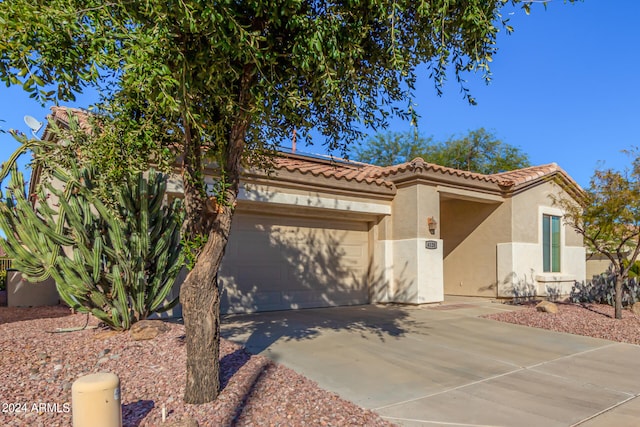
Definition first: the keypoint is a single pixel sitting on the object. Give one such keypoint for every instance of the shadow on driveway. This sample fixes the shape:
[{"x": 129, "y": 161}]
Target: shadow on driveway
[{"x": 257, "y": 332}]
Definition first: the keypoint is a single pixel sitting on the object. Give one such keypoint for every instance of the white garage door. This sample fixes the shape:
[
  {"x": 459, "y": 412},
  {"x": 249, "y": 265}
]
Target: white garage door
[{"x": 280, "y": 263}]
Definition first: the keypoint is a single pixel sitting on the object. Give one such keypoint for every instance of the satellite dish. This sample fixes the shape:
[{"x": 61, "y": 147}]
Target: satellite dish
[{"x": 33, "y": 124}]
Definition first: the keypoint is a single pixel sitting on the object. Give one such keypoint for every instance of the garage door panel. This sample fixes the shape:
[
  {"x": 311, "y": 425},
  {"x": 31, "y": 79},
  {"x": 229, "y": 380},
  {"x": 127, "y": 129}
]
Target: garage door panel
[
  {"x": 276, "y": 263},
  {"x": 264, "y": 298},
  {"x": 243, "y": 302},
  {"x": 272, "y": 223},
  {"x": 262, "y": 277},
  {"x": 303, "y": 298}
]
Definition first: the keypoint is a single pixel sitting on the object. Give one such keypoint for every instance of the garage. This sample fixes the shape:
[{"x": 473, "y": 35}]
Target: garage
[{"x": 284, "y": 262}]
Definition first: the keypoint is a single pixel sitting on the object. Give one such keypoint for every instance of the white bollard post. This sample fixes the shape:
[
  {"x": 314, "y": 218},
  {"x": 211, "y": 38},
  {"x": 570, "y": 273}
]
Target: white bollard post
[{"x": 95, "y": 401}]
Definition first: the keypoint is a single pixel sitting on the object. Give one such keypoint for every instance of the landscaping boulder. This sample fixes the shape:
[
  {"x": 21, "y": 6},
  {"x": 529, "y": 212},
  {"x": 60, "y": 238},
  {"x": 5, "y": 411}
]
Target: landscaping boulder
[
  {"x": 635, "y": 308},
  {"x": 147, "y": 329},
  {"x": 547, "y": 307}
]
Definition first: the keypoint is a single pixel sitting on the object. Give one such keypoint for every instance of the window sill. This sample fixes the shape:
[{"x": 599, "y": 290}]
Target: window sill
[{"x": 555, "y": 277}]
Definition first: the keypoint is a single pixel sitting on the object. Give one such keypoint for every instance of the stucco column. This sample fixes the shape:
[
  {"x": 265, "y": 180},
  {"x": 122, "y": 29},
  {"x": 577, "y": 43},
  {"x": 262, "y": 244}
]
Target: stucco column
[
  {"x": 417, "y": 252},
  {"x": 381, "y": 271},
  {"x": 418, "y": 273}
]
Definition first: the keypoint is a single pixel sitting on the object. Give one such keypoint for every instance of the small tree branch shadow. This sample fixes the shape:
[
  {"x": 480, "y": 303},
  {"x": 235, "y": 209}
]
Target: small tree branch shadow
[
  {"x": 257, "y": 376},
  {"x": 135, "y": 412},
  {"x": 232, "y": 363},
  {"x": 589, "y": 307}
]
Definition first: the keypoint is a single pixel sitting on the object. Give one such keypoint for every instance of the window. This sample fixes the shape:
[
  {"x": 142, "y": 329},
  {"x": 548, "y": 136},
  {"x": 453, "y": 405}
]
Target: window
[{"x": 551, "y": 243}]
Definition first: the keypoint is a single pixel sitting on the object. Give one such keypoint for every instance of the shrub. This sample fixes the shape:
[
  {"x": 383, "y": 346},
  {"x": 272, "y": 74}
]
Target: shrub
[
  {"x": 601, "y": 290},
  {"x": 634, "y": 271}
]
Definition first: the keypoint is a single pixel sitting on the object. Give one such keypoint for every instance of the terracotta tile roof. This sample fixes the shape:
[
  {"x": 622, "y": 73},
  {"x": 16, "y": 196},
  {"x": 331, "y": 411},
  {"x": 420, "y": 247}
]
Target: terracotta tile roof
[
  {"x": 419, "y": 165},
  {"x": 533, "y": 173},
  {"x": 61, "y": 115},
  {"x": 362, "y": 172},
  {"x": 338, "y": 169}
]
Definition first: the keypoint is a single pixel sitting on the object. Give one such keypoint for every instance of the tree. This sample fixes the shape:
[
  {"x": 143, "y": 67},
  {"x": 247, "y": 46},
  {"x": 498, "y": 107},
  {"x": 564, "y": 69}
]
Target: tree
[
  {"x": 608, "y": 218},
  {"x": 479, "y": 151},
  {"x": 229, "y": 81},
  {"x": 386, "y": 149}
]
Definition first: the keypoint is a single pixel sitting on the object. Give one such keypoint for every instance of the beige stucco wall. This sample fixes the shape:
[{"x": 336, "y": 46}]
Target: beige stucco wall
[
  {"x": 527, "y": 217},
  {"x": 312, "y": 198},
  {"x": 428, "y": 207},
  {"x": 520, "y": 267},
  {"x": 411, "y": 207},
  {"x": 405, "y": 211},
  {"x": 596, "y": 266},
  {"x": 415, "y": 271},
  {"x": 22, "y": 293},
  {"x": 470, "y": 232},
  {"x": 381, "y": 265}
]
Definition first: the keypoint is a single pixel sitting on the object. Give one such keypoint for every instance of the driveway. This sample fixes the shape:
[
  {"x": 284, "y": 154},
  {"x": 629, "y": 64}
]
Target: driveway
[{"x": 445, "y": 366}]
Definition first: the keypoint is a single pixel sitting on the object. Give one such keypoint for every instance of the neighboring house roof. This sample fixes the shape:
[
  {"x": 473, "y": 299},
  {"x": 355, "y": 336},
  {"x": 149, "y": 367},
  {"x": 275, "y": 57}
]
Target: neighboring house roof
[
  {"x": 386, "y": 177},
  {"x": 60, "y": 115}
]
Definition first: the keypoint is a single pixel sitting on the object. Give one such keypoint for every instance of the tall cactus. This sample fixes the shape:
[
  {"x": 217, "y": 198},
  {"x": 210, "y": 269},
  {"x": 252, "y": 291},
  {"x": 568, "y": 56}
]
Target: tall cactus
[{"x": 117, "y": 262}]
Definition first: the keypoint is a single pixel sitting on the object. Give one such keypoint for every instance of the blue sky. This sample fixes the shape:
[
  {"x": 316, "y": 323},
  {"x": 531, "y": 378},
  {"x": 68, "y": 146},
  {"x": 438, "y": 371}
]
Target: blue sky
[{"x": 564, "y": 90}]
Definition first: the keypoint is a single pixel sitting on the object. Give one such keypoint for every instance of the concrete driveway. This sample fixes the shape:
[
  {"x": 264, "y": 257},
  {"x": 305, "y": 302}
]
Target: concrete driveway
[{"x": 445, "y": 366}]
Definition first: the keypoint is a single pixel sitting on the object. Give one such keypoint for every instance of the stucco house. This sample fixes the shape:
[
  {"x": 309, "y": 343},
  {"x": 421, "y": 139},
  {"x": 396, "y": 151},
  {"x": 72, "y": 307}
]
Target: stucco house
[
  {"x": 318, "y": 231},
  {"x": 322, "y": 232}
]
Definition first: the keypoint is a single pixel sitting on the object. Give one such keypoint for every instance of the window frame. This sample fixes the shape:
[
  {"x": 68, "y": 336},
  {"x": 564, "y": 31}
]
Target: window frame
[{"x": 551, "y": 240}]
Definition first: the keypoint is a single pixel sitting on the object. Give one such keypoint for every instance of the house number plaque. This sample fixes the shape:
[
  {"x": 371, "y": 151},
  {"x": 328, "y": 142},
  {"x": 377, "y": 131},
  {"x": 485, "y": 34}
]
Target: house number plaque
[{"x": 431, "y": 244}]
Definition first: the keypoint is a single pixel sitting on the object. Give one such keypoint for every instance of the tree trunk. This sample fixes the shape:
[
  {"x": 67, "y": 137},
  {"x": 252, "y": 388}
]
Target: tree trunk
[
  {"x": 199, "y": 294},
  {"x": 618, "y": 296},
  {"x": 200, "y": 297}
]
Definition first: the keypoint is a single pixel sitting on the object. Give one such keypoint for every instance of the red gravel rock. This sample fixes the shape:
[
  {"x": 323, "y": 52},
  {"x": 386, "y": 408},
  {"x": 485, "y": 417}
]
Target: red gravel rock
[
  {"x": 591, "y": 320},
  {"x": 39, "y": 366}
]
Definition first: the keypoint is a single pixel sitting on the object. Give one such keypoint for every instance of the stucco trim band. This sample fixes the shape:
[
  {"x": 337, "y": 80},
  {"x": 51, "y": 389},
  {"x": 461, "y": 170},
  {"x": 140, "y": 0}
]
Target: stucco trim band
[{"x": 299, "y": 200}]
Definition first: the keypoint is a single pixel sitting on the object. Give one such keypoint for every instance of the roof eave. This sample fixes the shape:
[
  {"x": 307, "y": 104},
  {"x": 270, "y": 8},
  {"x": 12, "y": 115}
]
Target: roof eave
[
  {"x": 448, "y": 178},
  {"x": 558, "y": 177},
  {"x": 323, "y": 183}
]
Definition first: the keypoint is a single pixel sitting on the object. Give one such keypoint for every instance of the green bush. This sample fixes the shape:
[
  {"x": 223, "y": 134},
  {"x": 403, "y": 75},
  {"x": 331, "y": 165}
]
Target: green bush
[
  {"x": 634, "y": 271},
  {"x": 3, "y": 280}
]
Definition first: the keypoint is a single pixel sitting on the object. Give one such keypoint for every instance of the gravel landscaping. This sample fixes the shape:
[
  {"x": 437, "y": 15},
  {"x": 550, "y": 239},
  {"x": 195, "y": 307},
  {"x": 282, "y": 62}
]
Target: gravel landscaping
[
  {"x": 591, "y": 320},
  {"x": 39, "y": 367}
]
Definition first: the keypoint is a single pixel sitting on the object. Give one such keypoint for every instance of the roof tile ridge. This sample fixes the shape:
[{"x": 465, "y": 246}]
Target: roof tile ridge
[
  {"x": 552, "y": 165},
  {"x": 347, "y": 171},
  {"x": 532, "y": 173},
  {"x": 465, "y": 173},
  {"x": 419, "y": 163}
]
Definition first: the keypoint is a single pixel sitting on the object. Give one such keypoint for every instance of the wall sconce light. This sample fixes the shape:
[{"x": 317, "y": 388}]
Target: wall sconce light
[{"x": 432, "y": 224}]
